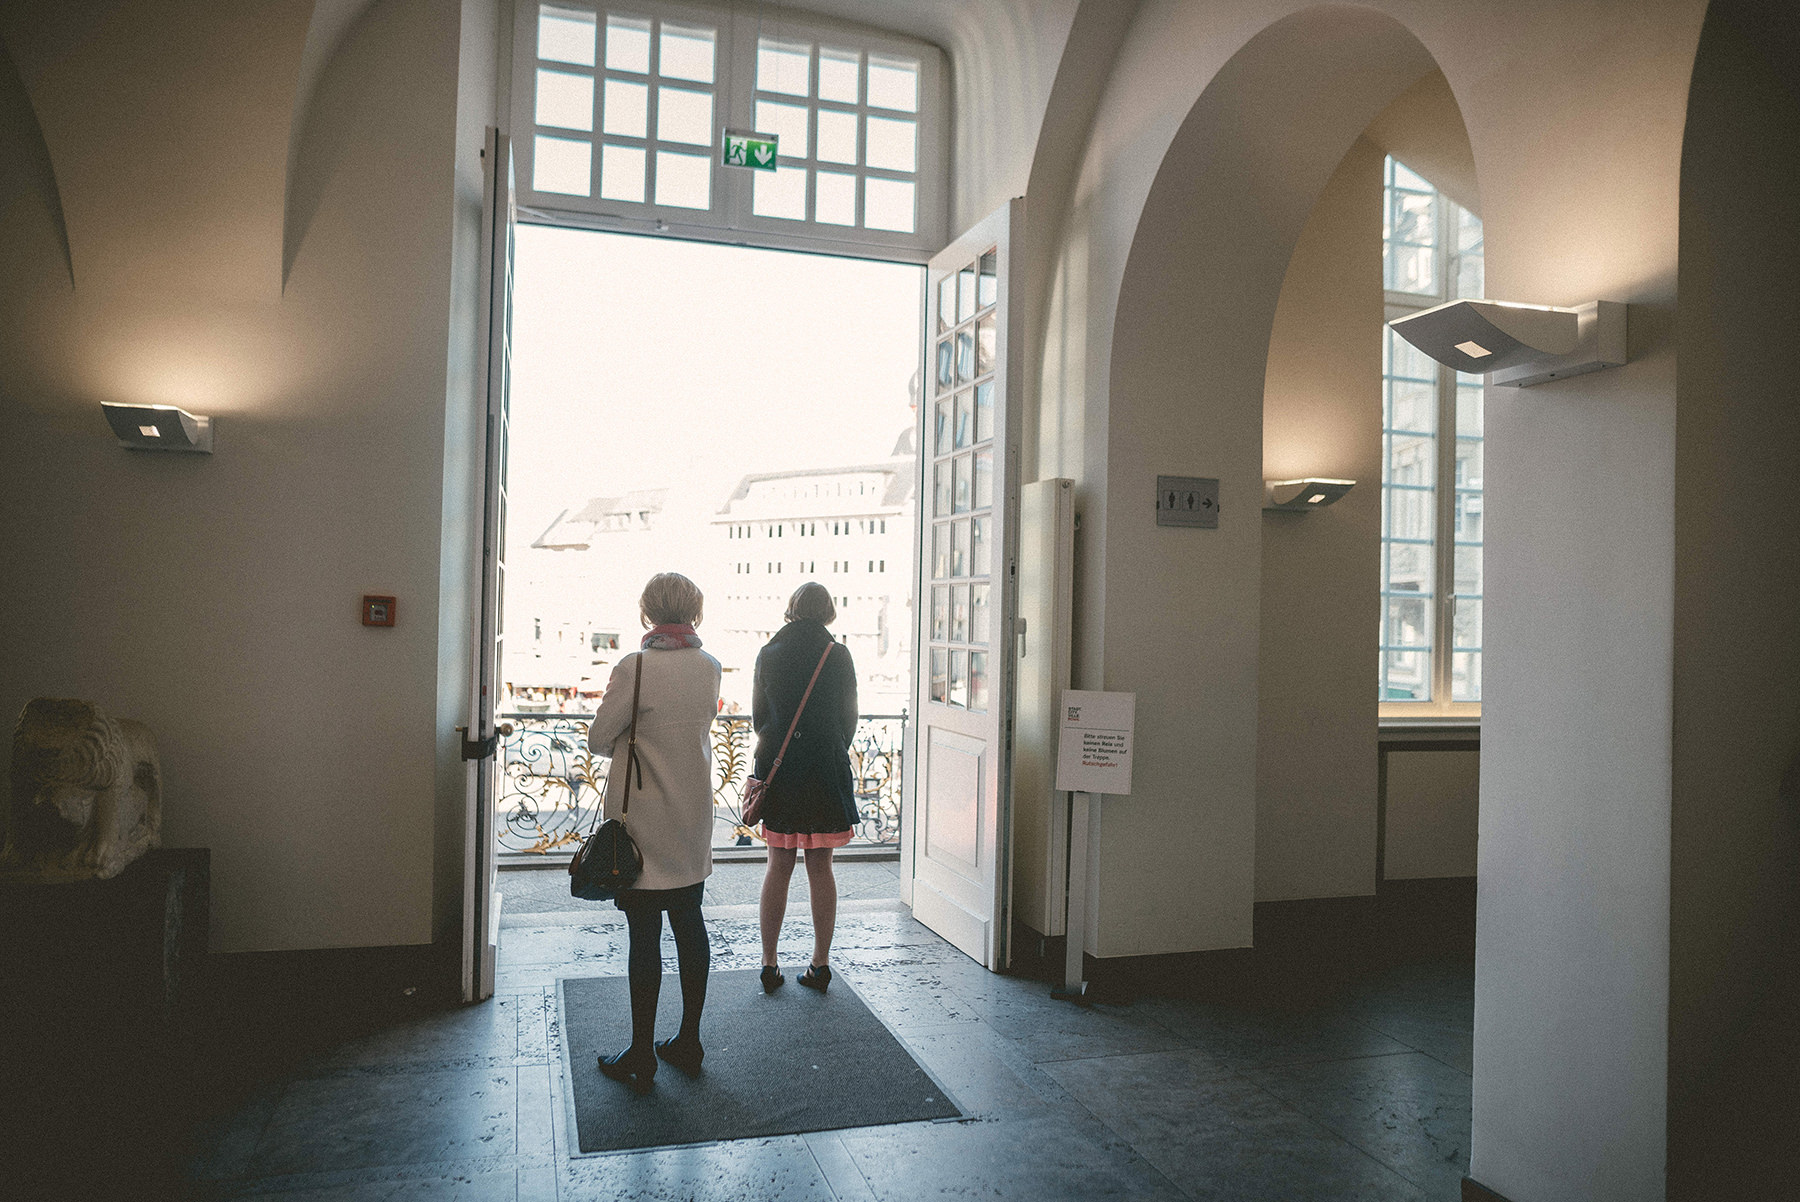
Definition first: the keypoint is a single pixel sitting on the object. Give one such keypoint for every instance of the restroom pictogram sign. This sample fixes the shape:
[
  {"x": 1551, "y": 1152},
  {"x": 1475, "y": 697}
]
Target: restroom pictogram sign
[{"x": 1187, "y": 501}]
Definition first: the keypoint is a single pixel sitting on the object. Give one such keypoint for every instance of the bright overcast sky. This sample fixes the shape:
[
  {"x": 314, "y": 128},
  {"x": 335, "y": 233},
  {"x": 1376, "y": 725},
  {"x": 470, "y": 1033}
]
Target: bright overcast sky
[{"x": 649, "y": 363}]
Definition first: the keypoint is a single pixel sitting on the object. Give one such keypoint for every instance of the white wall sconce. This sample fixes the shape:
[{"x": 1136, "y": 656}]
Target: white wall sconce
[
  {"x": 1519, "y": 345},
  {"x": 1297, "y": 496},
  {"x": 159, "y": 428}
]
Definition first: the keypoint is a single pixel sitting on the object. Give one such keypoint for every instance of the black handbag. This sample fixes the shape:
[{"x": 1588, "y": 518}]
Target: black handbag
[{"x": 609, "y": 861}]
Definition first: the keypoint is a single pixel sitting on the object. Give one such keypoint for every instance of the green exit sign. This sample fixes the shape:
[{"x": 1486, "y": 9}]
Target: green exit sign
[{"x": 752, "y": 150}]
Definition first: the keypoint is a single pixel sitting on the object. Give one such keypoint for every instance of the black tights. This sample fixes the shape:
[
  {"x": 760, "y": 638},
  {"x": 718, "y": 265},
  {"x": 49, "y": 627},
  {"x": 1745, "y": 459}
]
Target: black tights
[{"x": 692, "y": 952}]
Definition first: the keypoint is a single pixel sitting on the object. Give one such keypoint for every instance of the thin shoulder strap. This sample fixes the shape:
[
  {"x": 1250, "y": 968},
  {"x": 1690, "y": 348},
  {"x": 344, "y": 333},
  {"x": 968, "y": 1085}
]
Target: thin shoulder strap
[
  {"x": 631, "y": 760},
  {"x": 801, "y": 709},
  {"x": 637, "y": 687}
]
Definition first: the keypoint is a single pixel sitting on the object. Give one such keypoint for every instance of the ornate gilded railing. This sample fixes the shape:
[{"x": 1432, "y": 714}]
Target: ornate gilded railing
[{"x": 550, "y": 784}]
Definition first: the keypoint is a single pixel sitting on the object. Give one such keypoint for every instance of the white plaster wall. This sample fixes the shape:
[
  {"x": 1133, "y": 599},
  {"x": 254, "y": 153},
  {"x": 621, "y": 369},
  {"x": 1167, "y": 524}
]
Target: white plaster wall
[
  {"x": 1735, "y": 889},
  {"x": 216, "y": 598},
  {"x": 1432, "y": 807},
  {"x": 1574, "y": 115},
  {"x": 479, "y": 88},
  {"x": 1316, "y": 721}
]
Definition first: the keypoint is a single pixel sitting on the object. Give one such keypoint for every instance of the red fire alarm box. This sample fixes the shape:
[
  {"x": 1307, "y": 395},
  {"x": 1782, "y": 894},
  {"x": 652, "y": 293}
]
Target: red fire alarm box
[{"x": 378, "y": 611}]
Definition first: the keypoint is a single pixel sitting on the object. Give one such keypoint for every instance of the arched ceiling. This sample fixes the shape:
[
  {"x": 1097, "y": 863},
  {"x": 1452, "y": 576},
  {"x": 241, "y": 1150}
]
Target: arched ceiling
[
  {"x": 1423, "y": 128},
  {"x": 175, "y": 129},
  {"x": 168, "y": 126},
  {"x": 28, "y": 194}
]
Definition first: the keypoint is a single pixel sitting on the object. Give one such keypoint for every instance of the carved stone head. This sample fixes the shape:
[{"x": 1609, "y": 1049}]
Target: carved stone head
[{"x": 86, "y": 795}]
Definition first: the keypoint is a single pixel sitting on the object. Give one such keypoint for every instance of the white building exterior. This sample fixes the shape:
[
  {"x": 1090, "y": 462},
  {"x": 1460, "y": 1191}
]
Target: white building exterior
[
  {"x": 850, "y": 529},
  {"x": 571, "y": 595}
]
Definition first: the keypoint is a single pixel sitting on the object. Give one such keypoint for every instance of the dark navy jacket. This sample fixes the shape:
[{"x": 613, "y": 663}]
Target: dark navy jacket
[{"x": 814, "y": 792}]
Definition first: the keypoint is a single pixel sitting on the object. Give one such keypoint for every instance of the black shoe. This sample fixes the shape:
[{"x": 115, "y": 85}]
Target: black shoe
[
  {"x": 817, "y": 977},
  {"x": 684, "y": 1054},
  {"x": 637, "y": 1071},
  {"x": 771, "y": 978}
]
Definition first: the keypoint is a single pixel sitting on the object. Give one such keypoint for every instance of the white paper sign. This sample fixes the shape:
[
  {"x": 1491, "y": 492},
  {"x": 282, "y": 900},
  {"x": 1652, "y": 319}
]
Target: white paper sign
[{"x": 1093, "y": 754}]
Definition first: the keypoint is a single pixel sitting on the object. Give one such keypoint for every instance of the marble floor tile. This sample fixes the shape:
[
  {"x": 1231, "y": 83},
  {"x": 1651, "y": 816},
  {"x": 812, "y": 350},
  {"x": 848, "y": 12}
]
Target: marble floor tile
[
  {"x": 1046, "y": 1158},
  {"x": 984, "y": 1073},
  {"x": 1409, "y": 1111},
  {"x": 227, "y": 1141},
  {"x": 537, "y": 1183},
  {"x": 906, "y": 995},
  {"x": 386, "y": 1118},
  {"x": 496, "y": 1184},
  {"x": 780, "y": 1168},
  {"x": 845, "y": 1180},
  {"x": 535, "y": 1016},
  {"x": 1352, "y": 1098},
  {"x": 1045, "y": 1029},
  {"x": 1453, "y": 1045},
  {"x": 462, "y": 1035},
  {"x": 537, "y": 1103},
  {"x": 1245, "y": 1037},
  {"x": 1219, "y": 1136}
]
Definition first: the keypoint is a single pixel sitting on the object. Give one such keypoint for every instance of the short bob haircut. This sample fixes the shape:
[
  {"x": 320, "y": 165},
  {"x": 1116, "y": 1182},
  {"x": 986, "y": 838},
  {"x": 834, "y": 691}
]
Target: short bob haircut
[
  {"x": 812, "y": 600},
  {"x": 671, "y": 599}
]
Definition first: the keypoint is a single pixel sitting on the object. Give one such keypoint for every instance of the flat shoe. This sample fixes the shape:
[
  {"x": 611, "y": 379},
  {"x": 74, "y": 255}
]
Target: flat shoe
[
  {"x": 817, "y": 977},
  {"x": 685, "y": 1055},
  {"x": 771, "y": 978},
  {"x": 637, "y": 1072}
]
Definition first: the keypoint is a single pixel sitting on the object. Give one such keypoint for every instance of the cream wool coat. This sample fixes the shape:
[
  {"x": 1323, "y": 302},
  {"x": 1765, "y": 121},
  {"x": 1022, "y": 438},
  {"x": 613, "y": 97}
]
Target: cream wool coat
[{"x": 671, "y": 814}]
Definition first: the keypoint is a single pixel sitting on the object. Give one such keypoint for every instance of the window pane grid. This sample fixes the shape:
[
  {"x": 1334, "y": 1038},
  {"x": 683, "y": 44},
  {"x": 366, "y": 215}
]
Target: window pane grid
[
  {"x": 859, "y": 167},
  {"x": 651, "y": 94},
  {"x": 961, "y": 434},
  {"x": 1431, "y": 576},
  {"x": 662, "y": 78}
]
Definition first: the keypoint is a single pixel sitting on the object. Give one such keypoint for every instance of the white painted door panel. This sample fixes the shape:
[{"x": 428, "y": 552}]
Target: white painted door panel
[{"x": 956, "y": 859}]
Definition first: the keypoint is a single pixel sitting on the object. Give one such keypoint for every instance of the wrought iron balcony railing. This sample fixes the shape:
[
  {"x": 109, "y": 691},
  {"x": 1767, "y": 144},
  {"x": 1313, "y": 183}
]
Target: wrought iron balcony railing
[{"x": 550, "y": 784}]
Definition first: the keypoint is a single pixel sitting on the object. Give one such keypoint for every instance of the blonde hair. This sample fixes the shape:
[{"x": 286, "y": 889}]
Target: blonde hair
[
  {"x": 671, "y": 599},
  {"x": 812, "y": 600}
]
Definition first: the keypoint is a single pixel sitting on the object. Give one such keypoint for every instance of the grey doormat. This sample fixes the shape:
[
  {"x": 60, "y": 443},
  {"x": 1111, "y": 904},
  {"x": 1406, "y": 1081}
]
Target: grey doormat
[{"x": 776, "y": 1064}]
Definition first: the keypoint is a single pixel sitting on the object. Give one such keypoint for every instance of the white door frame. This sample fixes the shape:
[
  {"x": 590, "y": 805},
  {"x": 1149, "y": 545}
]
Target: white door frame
[
  {"x": 481, "y": 901},
  {"x": 956, "y": 853}
]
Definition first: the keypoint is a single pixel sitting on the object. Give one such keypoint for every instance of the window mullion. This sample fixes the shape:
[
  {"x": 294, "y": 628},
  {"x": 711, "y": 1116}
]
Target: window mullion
[{"x": 1444, "y": 561}]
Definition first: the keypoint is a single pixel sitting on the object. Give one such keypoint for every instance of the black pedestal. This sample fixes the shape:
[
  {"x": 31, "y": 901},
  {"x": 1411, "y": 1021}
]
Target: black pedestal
[
  {"x": 100, "y": 1005},
  {"x": 126, "y": 952}
]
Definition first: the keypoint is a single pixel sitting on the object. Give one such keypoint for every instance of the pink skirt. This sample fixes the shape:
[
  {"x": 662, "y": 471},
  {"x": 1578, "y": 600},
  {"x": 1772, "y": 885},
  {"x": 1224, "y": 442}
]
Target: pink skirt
[{"x": 825, "y": 839}]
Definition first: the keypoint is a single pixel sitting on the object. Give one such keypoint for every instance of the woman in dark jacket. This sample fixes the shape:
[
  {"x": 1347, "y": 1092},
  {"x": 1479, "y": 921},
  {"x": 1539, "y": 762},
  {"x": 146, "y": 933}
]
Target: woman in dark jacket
[{"x": 811, "y": 802}]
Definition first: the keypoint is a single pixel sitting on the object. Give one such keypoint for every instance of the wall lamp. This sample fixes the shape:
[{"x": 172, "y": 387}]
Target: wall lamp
[
  {"x": 1519, "y": 345},
  {"x": 159, "y": 428},
  {"x": 1297, "y": 496}
]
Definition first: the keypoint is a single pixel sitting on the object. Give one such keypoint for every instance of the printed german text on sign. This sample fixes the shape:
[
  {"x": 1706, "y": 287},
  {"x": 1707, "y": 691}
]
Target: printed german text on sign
[{"x": 1093, "y": 752}]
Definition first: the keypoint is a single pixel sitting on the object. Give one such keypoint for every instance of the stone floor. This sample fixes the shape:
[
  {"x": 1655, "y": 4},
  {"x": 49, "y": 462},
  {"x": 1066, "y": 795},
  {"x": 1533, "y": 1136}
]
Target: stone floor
[
  {"x": 733, "y": 883},
  {"x": 1359, "y": 1092}
]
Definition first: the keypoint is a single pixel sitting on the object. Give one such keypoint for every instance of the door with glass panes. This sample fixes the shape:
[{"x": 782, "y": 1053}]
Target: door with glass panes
[
  {"x": 480, "y": 743},
  {"x": 956, "y": 858}
]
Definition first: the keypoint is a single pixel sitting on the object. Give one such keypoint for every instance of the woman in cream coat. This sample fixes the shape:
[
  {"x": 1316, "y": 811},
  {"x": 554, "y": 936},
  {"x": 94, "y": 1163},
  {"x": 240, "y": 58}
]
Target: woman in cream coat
[{"x": 670, "y": 816}]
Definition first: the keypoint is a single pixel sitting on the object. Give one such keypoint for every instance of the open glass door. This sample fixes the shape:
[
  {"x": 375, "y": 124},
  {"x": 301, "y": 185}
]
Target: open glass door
[
  {"x": 481, "y": 903},
  {"x": 956, "y": 859}
]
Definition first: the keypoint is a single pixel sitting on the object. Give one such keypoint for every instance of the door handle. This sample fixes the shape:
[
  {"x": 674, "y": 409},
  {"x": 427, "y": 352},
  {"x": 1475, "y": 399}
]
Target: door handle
[{"x": 481, "y": 749}]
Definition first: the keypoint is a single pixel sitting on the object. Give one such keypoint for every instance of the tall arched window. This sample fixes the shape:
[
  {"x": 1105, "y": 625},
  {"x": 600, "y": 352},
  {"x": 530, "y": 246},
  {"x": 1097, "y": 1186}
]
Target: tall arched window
[{"x": 1431, "y": 479}]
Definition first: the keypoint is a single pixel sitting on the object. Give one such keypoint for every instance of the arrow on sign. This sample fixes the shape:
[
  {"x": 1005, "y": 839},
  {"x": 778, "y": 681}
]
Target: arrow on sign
[{"x": 764, "y": 153}]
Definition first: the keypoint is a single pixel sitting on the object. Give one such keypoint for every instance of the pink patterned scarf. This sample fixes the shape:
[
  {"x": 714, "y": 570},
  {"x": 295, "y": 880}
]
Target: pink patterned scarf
[{"x": 671, "y": 636}]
